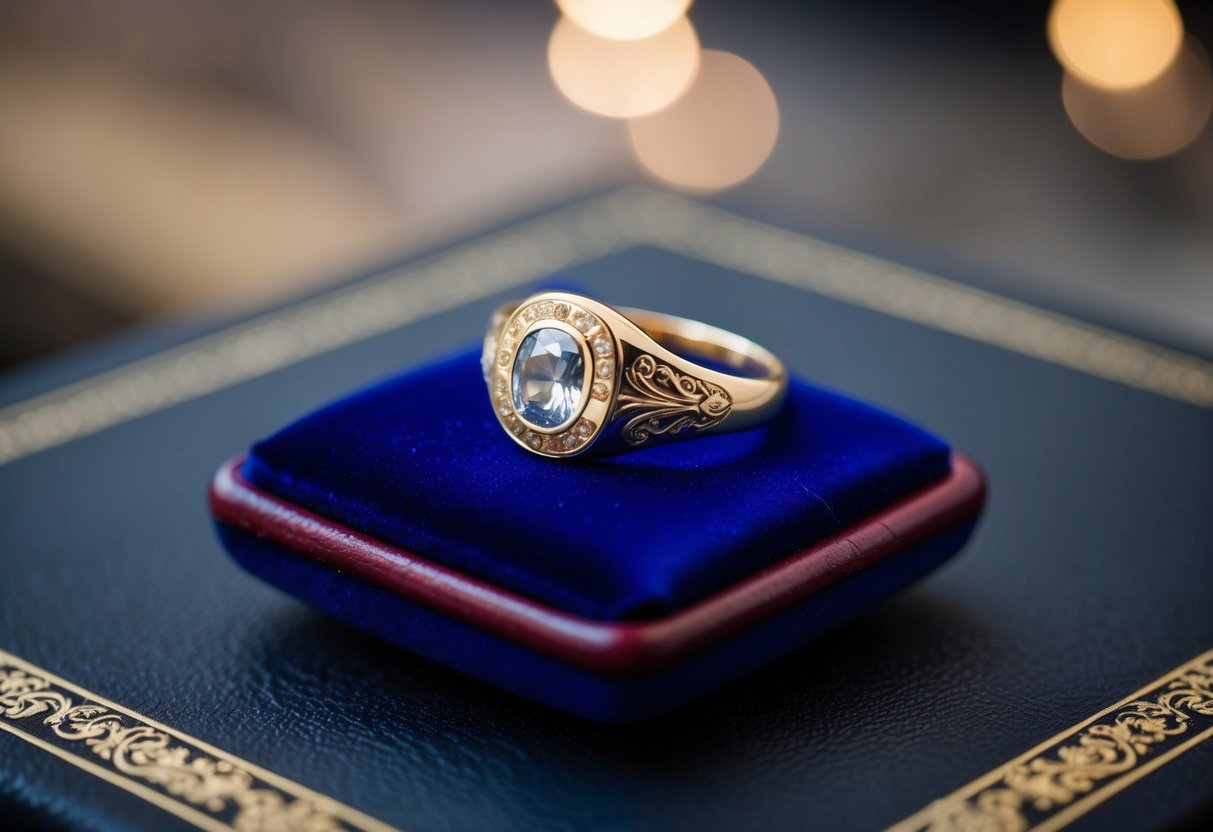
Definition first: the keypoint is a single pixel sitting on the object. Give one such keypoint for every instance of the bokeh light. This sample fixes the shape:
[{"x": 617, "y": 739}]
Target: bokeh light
[
  {"x": 623, "y": 78},
  {"x": 717, "y": 134},
  {"x": 624, "y": 19},
  {"x": 1115, "y": 44},
  {"x": 1151, "y": 121}
]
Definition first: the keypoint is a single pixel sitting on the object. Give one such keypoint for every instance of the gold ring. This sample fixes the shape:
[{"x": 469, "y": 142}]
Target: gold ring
[{"x": 567, "y": 373}]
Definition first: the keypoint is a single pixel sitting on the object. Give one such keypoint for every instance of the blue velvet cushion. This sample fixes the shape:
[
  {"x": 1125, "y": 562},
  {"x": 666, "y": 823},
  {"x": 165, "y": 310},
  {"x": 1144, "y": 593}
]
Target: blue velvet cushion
[{"x": 419, "y": 461}]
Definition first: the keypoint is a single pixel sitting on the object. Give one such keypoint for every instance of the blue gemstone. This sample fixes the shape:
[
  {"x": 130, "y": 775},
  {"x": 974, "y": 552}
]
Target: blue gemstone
[{"x": 547, "y": 378}]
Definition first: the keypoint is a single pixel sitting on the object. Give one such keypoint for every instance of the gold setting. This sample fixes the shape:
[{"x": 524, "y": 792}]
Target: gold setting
[
  {"x": 599, "y": 355},
  {"x": 633, "y": 390}
]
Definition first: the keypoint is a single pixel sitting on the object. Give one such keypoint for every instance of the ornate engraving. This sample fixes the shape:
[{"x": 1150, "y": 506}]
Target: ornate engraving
[
  {"x": 205, "y": 788},
  {"x": 1046, "y": 789},
  {"x": 662, "y": 400}
]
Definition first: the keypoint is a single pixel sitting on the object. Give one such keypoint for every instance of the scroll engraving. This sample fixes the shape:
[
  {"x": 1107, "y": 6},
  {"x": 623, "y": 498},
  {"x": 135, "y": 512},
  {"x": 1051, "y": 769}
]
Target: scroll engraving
[
  {"x": 185, "y": 777},
  {"x": 1044, "y": 790},
  {"x": 662, "y": 401}
]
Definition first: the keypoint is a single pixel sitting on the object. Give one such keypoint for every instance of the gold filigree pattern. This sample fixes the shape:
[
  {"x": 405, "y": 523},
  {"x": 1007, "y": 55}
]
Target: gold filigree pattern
[
  {"x": 1060, "y": 780},
  {"x": 663, "y": 401},
  {"x": 209, "y": 788}
]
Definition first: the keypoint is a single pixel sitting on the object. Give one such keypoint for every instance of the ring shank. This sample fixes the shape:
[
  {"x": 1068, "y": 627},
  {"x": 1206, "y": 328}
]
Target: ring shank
[{"x": 693, "y": 340}]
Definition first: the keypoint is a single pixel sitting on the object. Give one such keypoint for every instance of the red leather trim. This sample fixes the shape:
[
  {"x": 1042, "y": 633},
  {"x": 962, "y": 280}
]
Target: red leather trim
[{"x": 602, "y": 646}]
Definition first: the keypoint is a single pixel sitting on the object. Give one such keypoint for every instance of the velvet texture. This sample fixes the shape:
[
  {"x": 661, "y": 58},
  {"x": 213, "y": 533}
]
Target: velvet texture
[{"x": 419, "y": 461}]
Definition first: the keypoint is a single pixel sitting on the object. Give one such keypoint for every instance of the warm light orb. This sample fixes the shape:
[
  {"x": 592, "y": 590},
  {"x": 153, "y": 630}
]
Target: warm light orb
[
  {"x": 622, "y": 78},
  {"x": 624, "y": 19},
  {"x": 1149, "y": 122},
  {"x": 718, "y": 134},
  {"x": 1115, "y": 44}
]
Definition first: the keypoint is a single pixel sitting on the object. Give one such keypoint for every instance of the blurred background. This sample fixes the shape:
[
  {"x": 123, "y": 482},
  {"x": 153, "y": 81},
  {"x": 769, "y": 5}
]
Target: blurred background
[{"x": 203, "y": 158}]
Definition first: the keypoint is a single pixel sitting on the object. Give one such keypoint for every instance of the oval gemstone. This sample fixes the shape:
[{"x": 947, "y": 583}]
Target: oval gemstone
[{"x": 547, "y": 379}]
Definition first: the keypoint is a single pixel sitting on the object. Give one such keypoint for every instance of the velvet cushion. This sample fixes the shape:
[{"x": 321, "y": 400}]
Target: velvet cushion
[{"x": 419, "y": 461}]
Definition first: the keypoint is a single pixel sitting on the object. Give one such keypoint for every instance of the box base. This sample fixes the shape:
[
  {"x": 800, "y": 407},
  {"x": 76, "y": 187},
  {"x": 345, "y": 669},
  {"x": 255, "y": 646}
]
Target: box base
[{"x": 602, "y": 670}]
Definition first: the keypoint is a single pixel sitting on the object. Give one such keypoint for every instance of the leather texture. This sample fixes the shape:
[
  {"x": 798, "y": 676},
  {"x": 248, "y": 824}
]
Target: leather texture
[{"x": 1088, "y": 577}]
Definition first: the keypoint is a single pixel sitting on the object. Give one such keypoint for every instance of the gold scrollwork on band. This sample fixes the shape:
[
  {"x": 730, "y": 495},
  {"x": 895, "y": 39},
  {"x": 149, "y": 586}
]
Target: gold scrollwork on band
[
  {"x": 204, "y": 786},
  {"x": 1060, "y": 780},
  {"x": 663, "y": 401}
]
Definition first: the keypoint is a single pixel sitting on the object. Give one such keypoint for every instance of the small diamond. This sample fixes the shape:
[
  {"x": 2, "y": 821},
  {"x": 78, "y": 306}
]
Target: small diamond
[
  {"x": 599, "y": 391},
  {"x": 602, "y": 347},
  {"x": 503, "y": 408},
  {"x": 569, "y": 441},
  {"x": 583, "y": 321},
  {"x": 547, "y": 309},
  {"x": 503, "y": 358},
  {"x": 604, "y": 369},
  {"x": 528, "y": 314},
  {"x": 499, "y": 387},
  {"x": 584, "y": 429},
  {"x": 561, "y": 311},
  {"x": 534, "y": 440}
]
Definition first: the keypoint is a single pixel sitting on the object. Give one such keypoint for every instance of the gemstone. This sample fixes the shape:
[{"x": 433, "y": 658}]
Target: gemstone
[
  {"x": 599, "y": 390},
  {"x": 547, "y": 378},
  {"x": 604, "y": 369},
  {"x": 602, "y": 347}
]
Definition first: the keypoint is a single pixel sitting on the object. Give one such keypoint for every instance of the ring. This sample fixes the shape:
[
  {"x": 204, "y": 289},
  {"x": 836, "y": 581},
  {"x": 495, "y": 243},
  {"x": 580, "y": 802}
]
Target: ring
[{"x": 567, "y": 373}]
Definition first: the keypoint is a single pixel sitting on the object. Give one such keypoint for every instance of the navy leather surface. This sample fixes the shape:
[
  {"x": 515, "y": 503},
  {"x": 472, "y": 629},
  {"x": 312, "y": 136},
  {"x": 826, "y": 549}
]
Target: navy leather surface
[
  {"x": 419, "y": 461},
  {"x": 1088, "y": 577}
]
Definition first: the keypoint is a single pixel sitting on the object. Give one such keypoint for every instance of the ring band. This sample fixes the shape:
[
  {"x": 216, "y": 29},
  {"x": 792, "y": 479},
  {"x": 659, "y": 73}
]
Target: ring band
[{"x": 567, "y": 373}]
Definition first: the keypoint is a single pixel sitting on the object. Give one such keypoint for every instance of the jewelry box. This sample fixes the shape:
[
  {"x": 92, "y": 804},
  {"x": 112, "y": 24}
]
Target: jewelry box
[{"x": 615, "y": 588}]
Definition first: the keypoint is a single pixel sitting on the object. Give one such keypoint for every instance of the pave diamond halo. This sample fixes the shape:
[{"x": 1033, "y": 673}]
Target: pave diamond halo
[{"x": 544, "y": 370}]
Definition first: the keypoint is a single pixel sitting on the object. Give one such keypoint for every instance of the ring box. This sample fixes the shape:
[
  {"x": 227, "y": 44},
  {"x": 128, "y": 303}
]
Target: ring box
[{"x": 615, "y": 588}]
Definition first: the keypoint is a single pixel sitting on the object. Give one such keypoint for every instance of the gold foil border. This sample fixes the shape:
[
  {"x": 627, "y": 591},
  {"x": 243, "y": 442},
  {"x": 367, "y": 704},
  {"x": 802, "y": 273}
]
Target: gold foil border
[
  {"x": 1065, "y": 777},
  {"x": 198, "y": 783}
]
